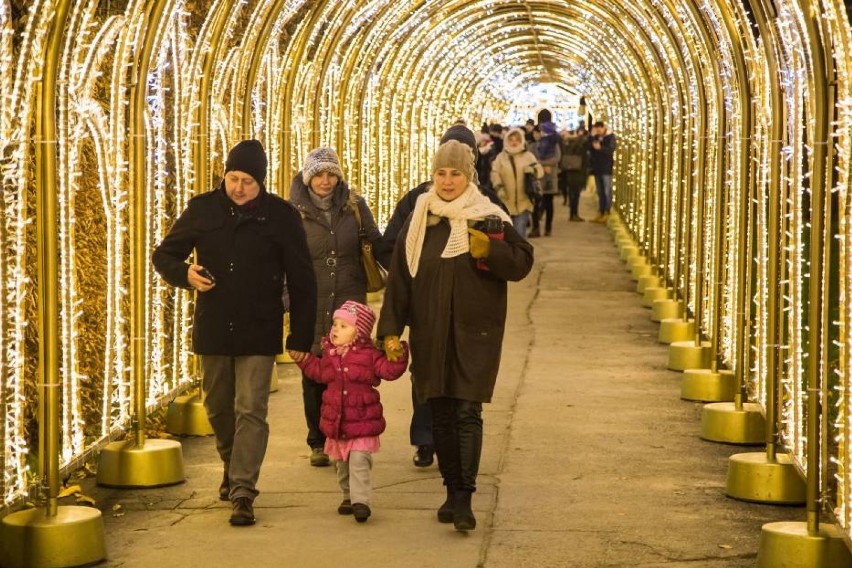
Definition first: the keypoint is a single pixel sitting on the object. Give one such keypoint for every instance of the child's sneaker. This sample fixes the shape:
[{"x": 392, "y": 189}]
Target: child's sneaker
[{"x": 361, "y": 512}]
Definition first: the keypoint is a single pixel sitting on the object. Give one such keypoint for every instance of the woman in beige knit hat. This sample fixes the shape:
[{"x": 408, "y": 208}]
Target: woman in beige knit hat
[{"x": 447, "y": 282}]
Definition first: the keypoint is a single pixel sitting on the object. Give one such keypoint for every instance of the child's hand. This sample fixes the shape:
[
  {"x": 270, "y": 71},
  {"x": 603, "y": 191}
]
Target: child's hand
[
  {"x": 297, "y": 356},
  {"x": 392, "y": 347}
]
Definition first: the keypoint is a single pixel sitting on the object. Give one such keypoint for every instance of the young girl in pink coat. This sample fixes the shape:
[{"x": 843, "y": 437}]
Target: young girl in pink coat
[{"x": 351, "y": 415}]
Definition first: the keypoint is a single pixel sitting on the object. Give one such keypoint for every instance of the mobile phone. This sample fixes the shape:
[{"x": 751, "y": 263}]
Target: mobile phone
[{"x": 206, "y": 274}]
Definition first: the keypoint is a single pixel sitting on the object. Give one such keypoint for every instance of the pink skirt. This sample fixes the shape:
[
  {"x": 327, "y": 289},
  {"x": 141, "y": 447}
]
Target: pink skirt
[{"x": 339, "y": 449}]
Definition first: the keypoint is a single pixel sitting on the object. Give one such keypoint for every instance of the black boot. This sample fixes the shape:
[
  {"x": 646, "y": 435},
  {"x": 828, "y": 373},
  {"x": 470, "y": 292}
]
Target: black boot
[
  {"x": 463, "y": 518},
  {"x": 445, "y": 511}
]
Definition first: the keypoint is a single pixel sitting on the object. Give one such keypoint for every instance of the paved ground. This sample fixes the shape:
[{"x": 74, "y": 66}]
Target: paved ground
[{"x": 590, "y": 458}]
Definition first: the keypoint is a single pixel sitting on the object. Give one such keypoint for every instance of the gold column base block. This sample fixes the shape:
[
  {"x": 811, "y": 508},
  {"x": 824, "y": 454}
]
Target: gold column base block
[
  {"x": 155, "y": 464},
  {"x": 708, "y": 386},
  {"x": 685, "y": 355},
  {"x": 624, "y": 240},
  {"x": 639, "y": 260},
  {"x": 666, "y": 308},
  {"x": 628, "y": 251},
  {"x": 186, "y": 416},
  {"x": 648, "y": 281},
  {"x": 639, "y": 270},
  {"x": 651, "y": 295},
  {"x": 73, "y": 537},
  {"x": 614, "y": 221},
  {"x": 789, "y": 545},
  {"x": 283, "y": 358},
  {"x": 752, "y": 477},
  {"x": 722, "y": 422},
  {"x": 676, "y": 329}
]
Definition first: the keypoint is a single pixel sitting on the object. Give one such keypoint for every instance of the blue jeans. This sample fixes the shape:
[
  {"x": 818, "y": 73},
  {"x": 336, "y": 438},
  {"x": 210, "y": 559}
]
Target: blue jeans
[
  {"x": 603, "y": 182},
  {"x": 520, "y": 222}
]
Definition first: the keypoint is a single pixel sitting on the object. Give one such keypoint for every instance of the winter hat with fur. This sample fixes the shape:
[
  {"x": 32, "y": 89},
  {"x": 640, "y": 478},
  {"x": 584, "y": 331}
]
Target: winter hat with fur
[
  {"x": 321, "y": 160},
  {"x": 461, "y": 133},
  {"x": 360, "y": 316},
  {"x": 249, "y": 157},
  {"x": 514, "y": 148},
  {"x": 453, "y": 154}
]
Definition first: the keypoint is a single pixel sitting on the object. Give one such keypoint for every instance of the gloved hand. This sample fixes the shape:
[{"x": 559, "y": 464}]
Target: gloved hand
[
  {"x": 480, "y": 244},
  {"x": 392, "y": 347}
]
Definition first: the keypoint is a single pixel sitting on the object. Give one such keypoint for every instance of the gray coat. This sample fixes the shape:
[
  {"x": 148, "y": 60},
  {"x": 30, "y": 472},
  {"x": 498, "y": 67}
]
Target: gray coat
[
  {"x": 335, "y": 250},
  {"x": 456, "y": 312}
]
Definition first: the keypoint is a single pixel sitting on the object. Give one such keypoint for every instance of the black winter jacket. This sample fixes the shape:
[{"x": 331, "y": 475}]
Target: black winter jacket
[{"x": 249, "y": 255}]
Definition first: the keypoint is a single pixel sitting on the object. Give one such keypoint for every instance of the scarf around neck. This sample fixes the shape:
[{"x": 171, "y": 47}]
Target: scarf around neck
[{"x": 469, "y": 206}]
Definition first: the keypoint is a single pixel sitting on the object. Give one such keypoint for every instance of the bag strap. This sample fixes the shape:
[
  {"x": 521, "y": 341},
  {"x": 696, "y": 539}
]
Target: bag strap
[{"x": 356, "y": 210}]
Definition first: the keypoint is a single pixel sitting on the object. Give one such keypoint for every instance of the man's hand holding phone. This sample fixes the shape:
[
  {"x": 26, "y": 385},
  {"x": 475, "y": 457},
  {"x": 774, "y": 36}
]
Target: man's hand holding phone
[{"x": 200, "y": 278}]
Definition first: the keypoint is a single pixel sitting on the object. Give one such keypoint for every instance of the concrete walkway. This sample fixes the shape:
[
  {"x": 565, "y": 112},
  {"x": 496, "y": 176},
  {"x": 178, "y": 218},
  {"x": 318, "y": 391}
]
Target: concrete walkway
[{"x": 590, "y": 458}]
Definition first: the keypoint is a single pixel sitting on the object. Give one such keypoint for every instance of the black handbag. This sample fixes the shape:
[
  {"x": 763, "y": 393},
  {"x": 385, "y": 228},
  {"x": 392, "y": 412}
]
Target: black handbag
[{"x": 532, "y": 187}]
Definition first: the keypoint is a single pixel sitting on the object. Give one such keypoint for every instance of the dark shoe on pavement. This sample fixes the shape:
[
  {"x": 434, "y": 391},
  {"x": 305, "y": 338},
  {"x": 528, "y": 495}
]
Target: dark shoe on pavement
[
  {"x": 534, "y": 233},
  {"x": 225, "y": 486},
  {"x": 445, "y": 511},
  {"x": 345, "y": 507},
  {"x": 361, "y": 512},
  {"x": 547, "y": 232},
  {"x": 319, "y": 458},
  {"x": 576, "y": 218},
  {"x": 243, "y": 514},
  {"x": 463, "y": 518},
  {"x": 425, "y": 456}
]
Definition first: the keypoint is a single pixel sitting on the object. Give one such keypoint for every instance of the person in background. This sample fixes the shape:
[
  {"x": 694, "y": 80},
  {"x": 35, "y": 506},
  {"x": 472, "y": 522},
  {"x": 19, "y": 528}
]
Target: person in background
[
  {"x": 326, "y": 204},
  {"x": 247, "y": 242},
  {"x": 528, "y": 131},
  {"x": 546, "y": 149},
  {"x": 421, "y": 418},
  {"x": 448, "y": 283},
  {"x": 572, "y": 169},
  {"x": 507, "y": 177},
  {"x": 602, "y": 157},
  {"x": 352, "y": 416}
]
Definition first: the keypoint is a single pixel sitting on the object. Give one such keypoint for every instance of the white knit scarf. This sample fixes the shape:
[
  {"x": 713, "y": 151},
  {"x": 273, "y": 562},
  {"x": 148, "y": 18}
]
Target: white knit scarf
[{"x": 469, "y": 206}]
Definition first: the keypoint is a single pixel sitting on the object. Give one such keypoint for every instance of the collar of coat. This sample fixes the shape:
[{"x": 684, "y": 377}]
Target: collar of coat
[
  {"x": 259, "y": 209},
  {"x": 302, "y": 202}
]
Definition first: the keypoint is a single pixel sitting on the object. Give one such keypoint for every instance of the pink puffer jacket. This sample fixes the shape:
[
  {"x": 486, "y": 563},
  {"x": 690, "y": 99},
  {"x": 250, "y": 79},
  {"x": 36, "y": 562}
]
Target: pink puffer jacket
[{"x": 351, "y": 406}]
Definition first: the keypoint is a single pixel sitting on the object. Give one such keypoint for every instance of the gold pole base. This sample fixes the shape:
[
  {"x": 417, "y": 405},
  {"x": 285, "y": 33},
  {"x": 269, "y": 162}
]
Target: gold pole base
[
  {"x": 283, "y": 358},
  {"x": 614, "y": 221},
  {"x": 666, "y": 309},
  {"x": 651, "y": 295},
  {"x": 722, "y": 422},
  {"x": 639, "y": 270},
  {"x": 624, "y": 240},
  {"x": 157, "y": 463},
  {"x": 628, "y": 251},
  {"x": 649, "y": 281},
  {"x": 676, "y": 329},
  {"x": 752, "y": 477},
  {"x": 273, "y": 379},
  {"x": 708, "y": 386},
  {"x": 640, "y": 260},
  {"x": 186, "y": 416},
  {"x": 789, "y": 545},
  {"x": 685, "y": 355},
  {"x": 73, "y": 537}
]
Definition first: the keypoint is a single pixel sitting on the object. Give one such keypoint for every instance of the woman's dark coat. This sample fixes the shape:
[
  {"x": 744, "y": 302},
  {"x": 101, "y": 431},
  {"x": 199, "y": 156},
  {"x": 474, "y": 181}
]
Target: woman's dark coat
[
  {"x": 456, "y": 312},
  {"x": 335, "y": 250},
  {"x": 249, "y": 255}
]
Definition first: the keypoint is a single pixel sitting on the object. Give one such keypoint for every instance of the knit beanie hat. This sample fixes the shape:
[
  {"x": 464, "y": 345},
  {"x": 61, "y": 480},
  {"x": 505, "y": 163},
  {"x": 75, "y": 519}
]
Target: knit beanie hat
[
  {"x": 358, "y": 315},
  {"x": 453, "y": 154},
  {"x": 461, "y": 133},
  {"x": 321, "y": 160},
  {"x": 249, "y": 157}
]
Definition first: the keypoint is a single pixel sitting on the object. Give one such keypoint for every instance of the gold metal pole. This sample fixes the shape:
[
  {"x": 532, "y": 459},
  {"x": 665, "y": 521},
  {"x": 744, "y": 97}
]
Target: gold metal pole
[
  {"x": 41, "y": 537},
  {"x": 254, "y": 64},
  {"x": 140, "y": 462}
]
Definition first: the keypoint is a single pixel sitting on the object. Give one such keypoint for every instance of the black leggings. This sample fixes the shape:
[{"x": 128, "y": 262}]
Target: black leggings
[{"x": 545, "y": 205}]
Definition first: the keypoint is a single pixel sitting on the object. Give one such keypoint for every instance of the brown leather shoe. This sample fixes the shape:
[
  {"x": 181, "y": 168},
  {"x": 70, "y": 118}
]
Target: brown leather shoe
[{"x": 243, "y": 514}]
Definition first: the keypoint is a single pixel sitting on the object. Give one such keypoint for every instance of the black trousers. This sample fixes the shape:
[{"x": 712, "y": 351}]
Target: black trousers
[
  {"x": 574, "y": 192},
  {"x": 457, "y": 429},
  {"x": 420, "y": 431},
  {"x": 312, "y": 398},
  {"x": 544, "y": 207}
]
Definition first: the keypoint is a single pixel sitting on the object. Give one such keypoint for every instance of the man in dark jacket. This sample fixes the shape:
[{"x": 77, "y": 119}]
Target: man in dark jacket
[
  {"x": 247, "y": 241},
  {"x": 601, "y": 155},
  {"x": 421, "y": 419}
]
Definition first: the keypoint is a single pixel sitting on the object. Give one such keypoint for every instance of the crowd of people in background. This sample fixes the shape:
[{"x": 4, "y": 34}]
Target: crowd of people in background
[{"x": 450, "y": 248}]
